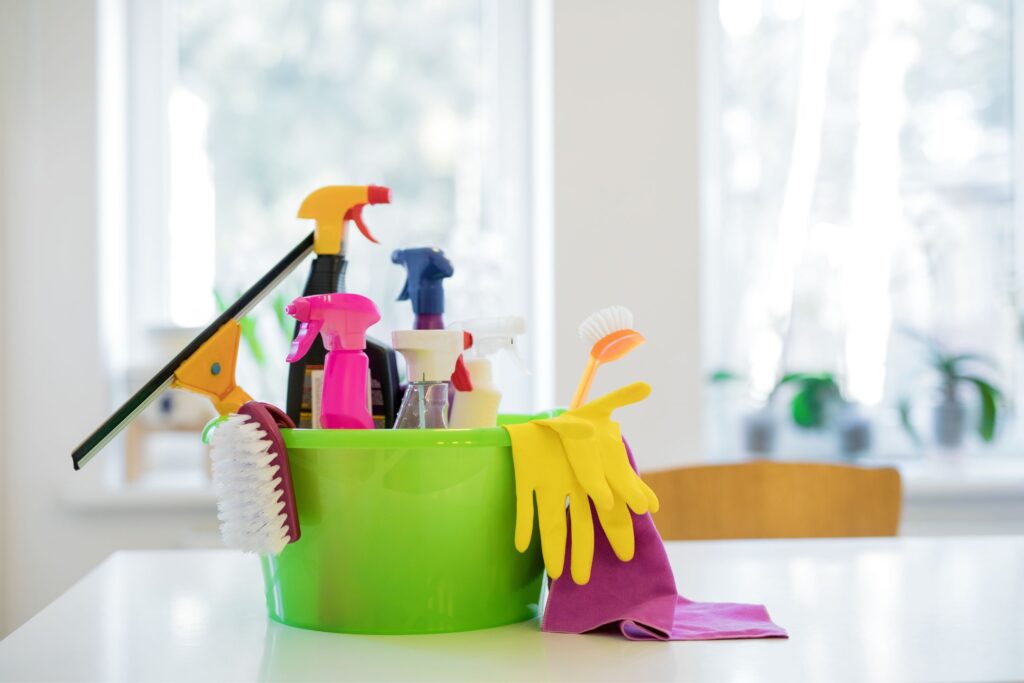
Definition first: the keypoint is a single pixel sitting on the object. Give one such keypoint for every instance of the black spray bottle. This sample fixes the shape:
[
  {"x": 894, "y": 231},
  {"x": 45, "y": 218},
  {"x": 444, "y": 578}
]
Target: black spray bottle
[{"x": 332, "y": 207}]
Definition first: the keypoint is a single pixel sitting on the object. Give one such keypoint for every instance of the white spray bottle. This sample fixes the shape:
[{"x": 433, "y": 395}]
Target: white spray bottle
[
  {"x": 479, "y": 407},
  {"x": 430, "y": 356}
]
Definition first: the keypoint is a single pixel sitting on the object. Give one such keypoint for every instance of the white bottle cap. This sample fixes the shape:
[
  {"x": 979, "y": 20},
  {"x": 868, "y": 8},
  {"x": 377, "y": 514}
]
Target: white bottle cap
[
  {"x": 429, "y": 354},
  {"x": 491, "y": 335}
]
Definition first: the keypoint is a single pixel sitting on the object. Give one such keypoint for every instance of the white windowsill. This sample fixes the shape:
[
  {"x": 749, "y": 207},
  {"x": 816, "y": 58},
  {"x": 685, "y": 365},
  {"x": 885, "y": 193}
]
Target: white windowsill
[{"x": 138, "y": 499}]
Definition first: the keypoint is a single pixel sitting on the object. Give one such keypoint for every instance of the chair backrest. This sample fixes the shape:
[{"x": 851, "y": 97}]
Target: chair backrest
[{"x": 776, "y": 500}]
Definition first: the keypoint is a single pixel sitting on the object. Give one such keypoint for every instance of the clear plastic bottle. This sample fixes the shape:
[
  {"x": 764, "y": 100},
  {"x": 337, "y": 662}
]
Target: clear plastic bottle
[
  {"x": 425, "y": 406},
  {"x": 430, "y": 356}
]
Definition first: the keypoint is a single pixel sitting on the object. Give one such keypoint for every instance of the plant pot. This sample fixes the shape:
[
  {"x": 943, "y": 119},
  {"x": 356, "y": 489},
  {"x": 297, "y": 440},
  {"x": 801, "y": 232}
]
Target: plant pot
[
  {"x": 949, "y": 422},
  {"x": 853, "y": 430},
  {"x": 759, "y": 431}
]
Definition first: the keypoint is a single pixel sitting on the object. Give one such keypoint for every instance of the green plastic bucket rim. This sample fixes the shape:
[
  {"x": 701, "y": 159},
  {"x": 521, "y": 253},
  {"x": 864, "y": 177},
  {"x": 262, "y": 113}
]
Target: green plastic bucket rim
[{"x": 409, "y": 438}]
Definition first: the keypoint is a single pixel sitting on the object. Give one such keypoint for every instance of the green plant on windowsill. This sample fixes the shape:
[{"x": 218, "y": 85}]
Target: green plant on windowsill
[
  {"x": 949, "y": 417},
  {"x": 816, "y": 404}
]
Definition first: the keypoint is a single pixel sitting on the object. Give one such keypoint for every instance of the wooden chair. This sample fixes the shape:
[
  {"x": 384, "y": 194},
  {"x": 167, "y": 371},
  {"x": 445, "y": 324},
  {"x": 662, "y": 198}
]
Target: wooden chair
[{"x": 776, "y": 500}]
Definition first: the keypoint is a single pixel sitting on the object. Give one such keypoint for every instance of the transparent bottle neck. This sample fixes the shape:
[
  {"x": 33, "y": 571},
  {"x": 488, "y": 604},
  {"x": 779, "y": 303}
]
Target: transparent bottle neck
[{"x": 425, "y": 406}]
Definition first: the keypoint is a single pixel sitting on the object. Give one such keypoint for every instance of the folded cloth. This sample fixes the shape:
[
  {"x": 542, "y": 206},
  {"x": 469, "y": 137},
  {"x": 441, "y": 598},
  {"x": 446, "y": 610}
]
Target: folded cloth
[{"x": 639, "y": 597}]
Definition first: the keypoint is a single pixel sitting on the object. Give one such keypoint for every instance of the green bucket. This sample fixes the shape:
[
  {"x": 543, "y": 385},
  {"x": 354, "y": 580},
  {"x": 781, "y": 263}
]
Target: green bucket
[{"x": 403, "y": 531}]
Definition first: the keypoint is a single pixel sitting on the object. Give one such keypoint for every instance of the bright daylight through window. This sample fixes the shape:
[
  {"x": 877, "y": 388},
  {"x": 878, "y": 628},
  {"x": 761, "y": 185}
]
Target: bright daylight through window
[
  {"x": 862, "y": 280},
  {"x": 264, "y": 102}
]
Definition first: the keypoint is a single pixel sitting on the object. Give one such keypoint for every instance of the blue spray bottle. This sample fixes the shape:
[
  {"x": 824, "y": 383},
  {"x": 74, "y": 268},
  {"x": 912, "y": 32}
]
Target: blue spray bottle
[{"x": 426, "y": 269}]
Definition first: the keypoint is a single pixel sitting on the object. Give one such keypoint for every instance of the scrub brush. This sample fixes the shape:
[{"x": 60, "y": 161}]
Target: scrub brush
[
  {"x": 611, "y": 336},
  {"x": 252, "y": 479}
]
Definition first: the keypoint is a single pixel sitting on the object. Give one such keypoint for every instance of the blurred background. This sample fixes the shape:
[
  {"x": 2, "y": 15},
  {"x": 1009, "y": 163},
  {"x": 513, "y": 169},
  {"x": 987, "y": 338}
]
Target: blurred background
[{"x": 809, "y": 206}]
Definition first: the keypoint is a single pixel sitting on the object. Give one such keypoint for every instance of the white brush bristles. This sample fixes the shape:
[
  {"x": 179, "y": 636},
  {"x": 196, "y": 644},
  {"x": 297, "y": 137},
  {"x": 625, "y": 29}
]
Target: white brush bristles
[
  {"x": 599, "y": 325},
  {"x": 249, "y": 502}
]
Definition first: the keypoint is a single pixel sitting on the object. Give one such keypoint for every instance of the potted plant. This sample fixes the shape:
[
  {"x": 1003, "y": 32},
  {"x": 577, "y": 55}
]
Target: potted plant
[
  {"x": 949, "y": 416},
  {"x": 816, "y": 404}
]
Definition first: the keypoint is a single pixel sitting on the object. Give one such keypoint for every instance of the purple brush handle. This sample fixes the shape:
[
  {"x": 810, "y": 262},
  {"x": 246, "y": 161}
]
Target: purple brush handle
[{"x": 271, "y": 419}]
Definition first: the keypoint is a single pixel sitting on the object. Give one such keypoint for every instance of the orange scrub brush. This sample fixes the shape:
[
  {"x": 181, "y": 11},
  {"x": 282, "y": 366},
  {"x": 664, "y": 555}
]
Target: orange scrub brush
[{"x": 611, "y": 336}]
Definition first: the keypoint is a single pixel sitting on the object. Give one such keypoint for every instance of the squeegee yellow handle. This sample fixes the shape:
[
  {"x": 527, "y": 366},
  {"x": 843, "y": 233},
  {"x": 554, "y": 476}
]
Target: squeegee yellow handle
[{"x": 210, "y": 371}]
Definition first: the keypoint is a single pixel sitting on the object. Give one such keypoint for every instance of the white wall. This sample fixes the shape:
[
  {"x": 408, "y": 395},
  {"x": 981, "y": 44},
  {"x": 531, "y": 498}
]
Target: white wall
[
  {"x": 9, "y": 46},
  {"x": 626, "y": 206},
  {"x": 55, "y": 390}
]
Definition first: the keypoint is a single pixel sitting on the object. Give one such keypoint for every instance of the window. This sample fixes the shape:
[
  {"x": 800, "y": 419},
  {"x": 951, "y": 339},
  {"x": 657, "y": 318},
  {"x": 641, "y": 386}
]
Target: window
[
  {"x": 861, "y": 188},
  {"x": 238, "y": 110}
]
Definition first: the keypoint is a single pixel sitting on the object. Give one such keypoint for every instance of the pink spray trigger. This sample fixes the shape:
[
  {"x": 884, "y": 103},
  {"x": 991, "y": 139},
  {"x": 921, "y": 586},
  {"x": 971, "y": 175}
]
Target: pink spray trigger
[
  {"x": 341, "y": 320},
  {"x": 304, "y": 339}
]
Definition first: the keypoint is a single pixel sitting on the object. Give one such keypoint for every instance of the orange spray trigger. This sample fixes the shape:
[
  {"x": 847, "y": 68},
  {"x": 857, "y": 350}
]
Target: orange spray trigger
[
  {"x": 333, "y": 206},
  {"x": 460, "y": 378}
]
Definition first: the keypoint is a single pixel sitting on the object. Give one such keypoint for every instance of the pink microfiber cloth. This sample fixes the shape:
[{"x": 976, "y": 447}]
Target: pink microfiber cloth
[{"x": 640, "y": 598}]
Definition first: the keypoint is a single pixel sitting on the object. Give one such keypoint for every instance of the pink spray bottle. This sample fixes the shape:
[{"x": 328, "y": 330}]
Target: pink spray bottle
[{"x": 342, "y": 321}]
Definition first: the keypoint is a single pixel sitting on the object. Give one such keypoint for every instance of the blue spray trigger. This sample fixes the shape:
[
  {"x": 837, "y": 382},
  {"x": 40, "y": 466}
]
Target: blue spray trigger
[{"x": 426, "y": 268}]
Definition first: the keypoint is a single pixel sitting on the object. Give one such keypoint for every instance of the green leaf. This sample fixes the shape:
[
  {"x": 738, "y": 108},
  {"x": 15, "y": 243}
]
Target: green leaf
[
  {"x": 284, "y": 321},
  {"x": 905, "y": 408},
  {"x": 723, "y": 376},
  {"x": 248, "y": 325},
  {"x": 991, "y": 398},
  {"x": 951, "y": 365},
  {"x": 804, "y": 409},
  {"x": 811, "y": 402}
]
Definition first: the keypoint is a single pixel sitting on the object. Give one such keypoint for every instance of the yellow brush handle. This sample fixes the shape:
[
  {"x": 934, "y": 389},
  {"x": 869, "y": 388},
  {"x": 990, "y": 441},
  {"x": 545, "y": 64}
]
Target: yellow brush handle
[{"x": 583, "y": 388}]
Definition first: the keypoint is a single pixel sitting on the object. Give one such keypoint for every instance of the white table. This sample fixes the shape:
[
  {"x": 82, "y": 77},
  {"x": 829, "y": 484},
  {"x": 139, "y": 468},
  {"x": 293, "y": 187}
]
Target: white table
[{"x": 867, "y": 609}]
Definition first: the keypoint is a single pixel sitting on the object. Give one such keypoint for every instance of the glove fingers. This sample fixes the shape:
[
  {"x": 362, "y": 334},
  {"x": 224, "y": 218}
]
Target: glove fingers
[
  {"x": 582, "y": 538},
  {"x": 551, "y": 513},
  {"x": 586, "y": 465},
  {"x": 624, "y": 396},
  {"x": 567, "y": 427},
  {"x": 653, "y": 504},
  {"x": 524, "y": 518},
  {"x": 625, "y": 482},
  {"x": 632, "y": 495},
  {"x": 618, "y": 527}
]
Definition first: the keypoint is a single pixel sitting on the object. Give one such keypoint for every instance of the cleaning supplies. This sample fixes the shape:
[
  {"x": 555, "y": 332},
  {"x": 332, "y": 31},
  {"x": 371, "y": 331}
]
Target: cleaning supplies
[
  {"x": 430, "y": 356},
  {"x": 205, "y": 366},
  {"x": 543, "y": 473},
  {"x": 425, "y": 271},
  {"x": 404, "y": 531},
  {"x": 577, "y": 455},
  {"x": 341, "y": 320},
  {"x": 332, "y": 208},
  {"x": 252, "y": 480},
  {"x": 479, "y": 407},
  {"x": 600, "y": 463},
  {"x": 610, "y": 334},
  {"x": 640, "y": 599}
]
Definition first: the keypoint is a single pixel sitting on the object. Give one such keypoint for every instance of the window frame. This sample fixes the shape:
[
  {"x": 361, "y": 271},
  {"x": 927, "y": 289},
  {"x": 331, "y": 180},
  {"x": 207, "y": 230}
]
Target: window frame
[{"x": 514, "y": 113}]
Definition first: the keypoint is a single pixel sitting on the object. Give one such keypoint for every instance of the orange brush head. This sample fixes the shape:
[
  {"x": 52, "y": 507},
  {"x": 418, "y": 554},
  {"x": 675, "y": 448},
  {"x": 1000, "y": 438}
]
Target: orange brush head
[
  {"x": 611, "y": 336},
  {"x": 614, "y": 346}
]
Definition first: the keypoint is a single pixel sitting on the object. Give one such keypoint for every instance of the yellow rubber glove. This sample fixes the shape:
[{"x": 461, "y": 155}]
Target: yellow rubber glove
[
  {"x": 602, "y": 467},
  {"x": 542, "y": 470}
]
